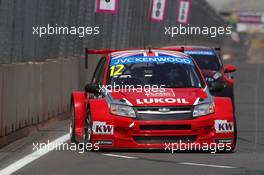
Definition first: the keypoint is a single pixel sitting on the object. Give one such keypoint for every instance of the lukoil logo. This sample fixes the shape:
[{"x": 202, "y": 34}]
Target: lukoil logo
[{"x": 162, "y": 101}]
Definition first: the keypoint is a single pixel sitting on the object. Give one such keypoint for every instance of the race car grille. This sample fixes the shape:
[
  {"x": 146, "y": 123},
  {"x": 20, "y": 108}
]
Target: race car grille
[
  {"x": 164, "y": 139},
  {"x": 158, "y": 113},
  {"x": 165, "y": 127}
]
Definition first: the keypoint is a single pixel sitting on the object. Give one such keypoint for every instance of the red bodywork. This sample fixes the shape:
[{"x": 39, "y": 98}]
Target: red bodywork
[
  {"x": 231, "y": 68},
  {"x": 224, "y": 70},
  {"x": 131, "y": 133}
]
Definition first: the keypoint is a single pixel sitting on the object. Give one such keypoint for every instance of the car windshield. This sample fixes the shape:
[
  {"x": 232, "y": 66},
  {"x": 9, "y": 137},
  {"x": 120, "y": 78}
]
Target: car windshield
[
  {"x": 167, "y": 73},
  {"x": 206, "y": 60}
]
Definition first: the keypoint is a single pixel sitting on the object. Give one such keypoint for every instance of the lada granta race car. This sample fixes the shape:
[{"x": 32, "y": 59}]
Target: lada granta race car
[
  {"x": 211, "y": 64},
  {"x": 146, "y": 99}
]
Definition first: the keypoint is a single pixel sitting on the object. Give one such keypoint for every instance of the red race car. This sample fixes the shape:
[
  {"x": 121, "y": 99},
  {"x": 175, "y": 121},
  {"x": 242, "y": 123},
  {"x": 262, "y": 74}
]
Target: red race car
[
  {"x": 213, "y": 69},
  {"x": 150, "y": 99}
]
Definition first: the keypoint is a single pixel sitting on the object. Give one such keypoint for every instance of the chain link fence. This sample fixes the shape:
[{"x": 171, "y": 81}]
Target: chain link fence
[
  {"x": 130, "y": 27},
  {"x": 38, "y": 74}
]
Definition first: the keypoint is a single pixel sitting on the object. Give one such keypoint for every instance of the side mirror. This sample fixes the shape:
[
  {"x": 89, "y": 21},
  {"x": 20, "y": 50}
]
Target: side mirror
[
  {"x": 217, "y": 86},
  {"x": 229, "y": 68},
  {"x": 92, "y": 88}
]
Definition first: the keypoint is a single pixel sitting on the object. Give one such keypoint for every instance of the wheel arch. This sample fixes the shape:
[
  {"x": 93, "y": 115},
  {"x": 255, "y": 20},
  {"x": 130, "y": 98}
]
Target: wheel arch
[
  {"x": 223, "y": 106},
  {"x": 79, "y": 101}
]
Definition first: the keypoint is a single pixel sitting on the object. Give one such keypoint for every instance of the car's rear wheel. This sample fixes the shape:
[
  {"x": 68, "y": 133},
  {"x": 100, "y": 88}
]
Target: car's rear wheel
[{"x": 72, "y": 126}]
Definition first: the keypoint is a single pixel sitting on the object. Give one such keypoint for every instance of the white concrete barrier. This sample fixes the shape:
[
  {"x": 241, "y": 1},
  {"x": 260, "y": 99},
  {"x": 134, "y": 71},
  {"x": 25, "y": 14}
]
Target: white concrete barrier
[
  {"x": 1, "y": 101},
  {"x": 22, "y": 94},
  {"x": 51, "y": 88},
  {"x": 36, "y": 91},
  {"x": 9, "y": 108},
  {"x": 70, "y": 70}
]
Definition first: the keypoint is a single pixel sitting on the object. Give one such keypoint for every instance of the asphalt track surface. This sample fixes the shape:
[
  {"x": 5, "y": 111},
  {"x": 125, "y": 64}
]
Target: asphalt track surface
[{"x": 247, "y": 159}]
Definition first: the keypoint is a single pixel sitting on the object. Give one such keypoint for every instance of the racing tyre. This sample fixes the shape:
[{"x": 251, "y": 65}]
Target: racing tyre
[
  {"x": 235, "y": 139},
  {"x": 87, "y": 134},
  {"x": 72, "y": 125},
  {"x": 235, "y": 135}
]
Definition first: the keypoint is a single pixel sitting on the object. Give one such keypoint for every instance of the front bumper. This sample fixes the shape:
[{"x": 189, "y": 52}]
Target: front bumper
[{"x": 139, "y": 134}]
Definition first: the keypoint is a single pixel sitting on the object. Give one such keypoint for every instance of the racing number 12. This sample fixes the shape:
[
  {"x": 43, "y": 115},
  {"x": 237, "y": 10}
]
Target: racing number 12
[{"x": 116, "y": 70}]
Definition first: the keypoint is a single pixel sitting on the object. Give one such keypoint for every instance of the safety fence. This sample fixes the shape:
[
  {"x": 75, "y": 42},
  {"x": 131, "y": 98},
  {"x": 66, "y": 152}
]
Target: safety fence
[
  {"x": 130, "y": 27},
  {"x": 37, "y": 74},
  {"x": 35, "y": 92}
]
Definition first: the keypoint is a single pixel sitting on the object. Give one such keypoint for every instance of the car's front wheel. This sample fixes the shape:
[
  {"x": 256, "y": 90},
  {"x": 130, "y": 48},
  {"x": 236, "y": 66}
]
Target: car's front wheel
[
  {"x": 87, "y": 136},
  {"x": 72, "y": 125},
  {"x": 235, "y": 134},
  {"x": 234, "y": 140}
]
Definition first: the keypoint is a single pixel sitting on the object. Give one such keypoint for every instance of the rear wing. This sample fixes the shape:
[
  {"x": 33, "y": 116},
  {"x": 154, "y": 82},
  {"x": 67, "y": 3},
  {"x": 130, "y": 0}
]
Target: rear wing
[
  {"x": 96, "y": 51},
  {"x": 217, "y": 48},
  {"x": 108, "y": 51}
]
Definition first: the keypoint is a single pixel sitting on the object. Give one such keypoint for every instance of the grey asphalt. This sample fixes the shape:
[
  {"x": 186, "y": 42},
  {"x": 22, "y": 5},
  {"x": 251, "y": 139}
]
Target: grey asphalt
[{"x": 247, "y": 159}]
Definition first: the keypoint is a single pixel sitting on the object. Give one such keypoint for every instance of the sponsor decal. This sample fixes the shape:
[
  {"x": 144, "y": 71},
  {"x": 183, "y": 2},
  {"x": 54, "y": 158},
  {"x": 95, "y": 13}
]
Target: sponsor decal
[
  {"x": 250, "y": 19},
  {"x": 106, "y": 6},
  {"x": 150, "y": 59},
  {"x": 197, "y": 52},
  {"x": 160, "y": 92},
  {"x": 104, "y": 142},
  {"x": 162, "y": 101},
  {"x": 183, "y": 11},
  {"x": 164, "y": 109},
  {"x": 209, "y": 79},
  {"x": 116, "y": 70},
  {"x": 217, "y": 75},
  {"x": 102, "y": 128},
  {"x": 224, "y": 140},
  {"x": 222, "y": 126},
  {"x": 158, "y": 9}
]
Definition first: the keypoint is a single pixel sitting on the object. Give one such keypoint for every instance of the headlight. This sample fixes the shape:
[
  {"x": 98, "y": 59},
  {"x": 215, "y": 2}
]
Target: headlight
[
  {"x": 203, "y": 109},
  {"x": 122, "y": 110}
]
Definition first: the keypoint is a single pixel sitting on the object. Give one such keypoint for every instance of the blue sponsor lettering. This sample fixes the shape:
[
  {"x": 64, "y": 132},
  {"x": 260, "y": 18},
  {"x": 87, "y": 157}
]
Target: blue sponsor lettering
[
  {"x": 198, "y": 52},
  {"x": 155, "y": 59}
]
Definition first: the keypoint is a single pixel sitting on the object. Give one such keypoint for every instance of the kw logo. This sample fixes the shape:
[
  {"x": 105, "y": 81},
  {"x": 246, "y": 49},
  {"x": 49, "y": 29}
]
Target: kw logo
[
  {"x": 102, "y": 128},
  {"x": 222, "y": 126}
]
